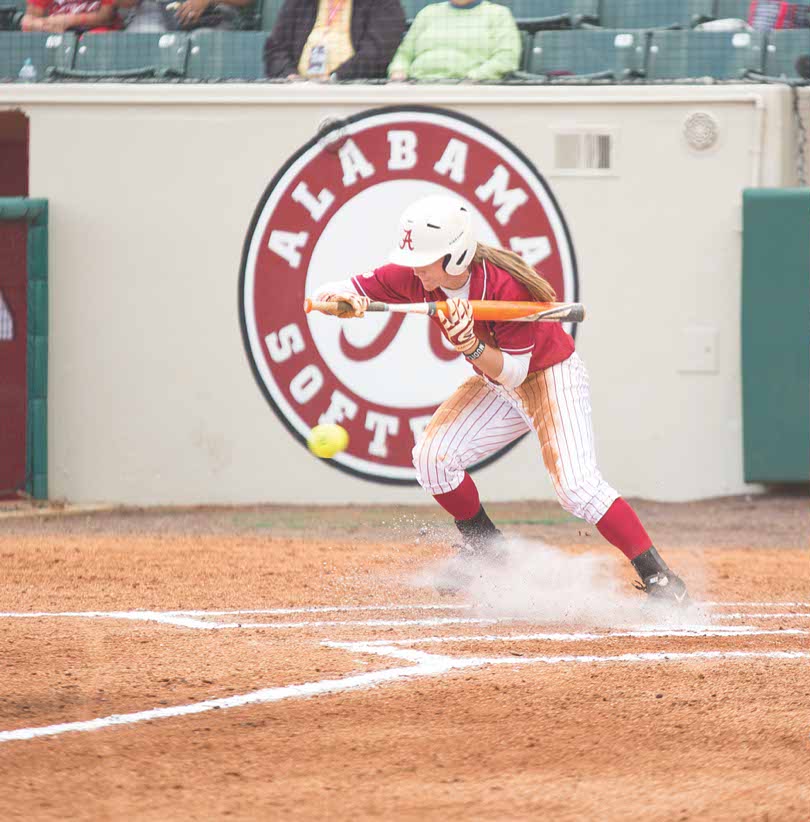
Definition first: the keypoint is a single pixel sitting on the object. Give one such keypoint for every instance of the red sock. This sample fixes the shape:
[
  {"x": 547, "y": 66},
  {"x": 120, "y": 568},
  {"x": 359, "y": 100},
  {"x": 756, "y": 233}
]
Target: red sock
[
  {"x": 462, "y": 502},
  {"x": 621, "y": 527}
]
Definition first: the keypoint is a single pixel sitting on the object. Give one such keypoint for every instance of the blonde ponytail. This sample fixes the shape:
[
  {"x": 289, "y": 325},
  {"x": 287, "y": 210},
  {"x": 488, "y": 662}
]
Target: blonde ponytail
[{"x": 518, "y": 268}]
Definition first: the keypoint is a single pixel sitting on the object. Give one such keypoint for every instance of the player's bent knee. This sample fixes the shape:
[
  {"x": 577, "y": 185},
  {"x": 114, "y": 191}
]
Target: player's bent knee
[
  {"x": 587, "y": 501},
  {"x": 435, "y": 475},
  {"x": 422, "y": 462},
  {"x": 569, "y": 503}
]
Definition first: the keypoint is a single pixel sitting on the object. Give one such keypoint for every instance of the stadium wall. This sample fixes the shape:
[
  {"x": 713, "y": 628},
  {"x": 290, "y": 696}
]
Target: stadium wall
[{"x": 152, "y": 189}]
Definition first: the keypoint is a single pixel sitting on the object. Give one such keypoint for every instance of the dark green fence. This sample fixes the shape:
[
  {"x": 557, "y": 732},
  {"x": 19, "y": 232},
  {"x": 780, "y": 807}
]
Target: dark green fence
[
  {"x": 776, "y": 335},
  {"x": 35, "y": 213}
]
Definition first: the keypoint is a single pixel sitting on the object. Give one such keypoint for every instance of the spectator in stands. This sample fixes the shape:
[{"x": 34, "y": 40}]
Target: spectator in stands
[
  {"x": 347, "y": 39},
  {"x": 183, "y": 15},
  {"x": 70, "y": 15},
  {"x": 462, "y": 39}
]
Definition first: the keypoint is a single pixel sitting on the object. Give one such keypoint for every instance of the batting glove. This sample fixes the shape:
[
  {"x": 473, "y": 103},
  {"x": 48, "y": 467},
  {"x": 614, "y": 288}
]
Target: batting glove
[
  {"x": 358, "y": 304},
  {"x": 458, "y": 325}
]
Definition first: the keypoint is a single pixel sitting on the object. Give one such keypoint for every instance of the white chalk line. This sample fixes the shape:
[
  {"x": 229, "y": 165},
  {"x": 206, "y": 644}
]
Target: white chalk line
[
  {"x": 438, "y": 606},
  {"x": 704, "y": 631},
  {"x": 365, "y": 623},
  {"x": 324, "y": 609},
  {"x": 197, "y": 624},
  {"x": 425, "y": 665},
  {"x": 761, "y": 616},
  {"x": 318, "y": 609},
  {"x": 172, "y": 616},
  {"x": 755, "y": 604},
  {"x": 142, "y": 616},
  {"x": 185, "y": 619},
  {"x": 424, "y": 658},
  {"x": 264, "y": 695}
]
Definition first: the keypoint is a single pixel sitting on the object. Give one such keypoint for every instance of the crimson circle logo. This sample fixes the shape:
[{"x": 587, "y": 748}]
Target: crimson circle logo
[{"x": 333, "y": 211}]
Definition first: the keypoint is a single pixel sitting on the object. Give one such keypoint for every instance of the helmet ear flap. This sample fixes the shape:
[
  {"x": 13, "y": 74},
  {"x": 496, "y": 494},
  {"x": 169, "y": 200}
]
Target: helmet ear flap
[{"x": 465, "y": 257}]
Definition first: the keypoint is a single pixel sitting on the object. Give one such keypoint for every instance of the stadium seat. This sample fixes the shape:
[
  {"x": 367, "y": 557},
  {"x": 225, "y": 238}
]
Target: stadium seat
[
  {"x": 530, "y": 15},
  {"x": 783, "y": 50},
  {"x": 587, "y": 53},
  {"x": 675, "y": 55},
  {"x": 654, "y": 14},
  {"x": 226, "y": 55},
  {"x": 11, "y": 12},
  {"x": 45, "y": 51},
  {"x": 525, "y": 49},
  {"x": 121, "y": 55},
  {"x": 534, "y": 15},
  {"x": 736, "y": 9},
  {"x": 270, "y": 10}
]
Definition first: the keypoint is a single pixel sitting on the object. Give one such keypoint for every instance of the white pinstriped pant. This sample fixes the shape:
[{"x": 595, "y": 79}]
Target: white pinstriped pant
[{"x": 481, "y": 417}]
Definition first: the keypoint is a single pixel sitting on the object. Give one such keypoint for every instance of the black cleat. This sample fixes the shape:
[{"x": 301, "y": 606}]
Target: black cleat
[
  {"x": 481, "y": 547},
  {"x": 658, "y": 581},
  {"x": 666, "y": 587},
  {"x": 480, "y": 536}
]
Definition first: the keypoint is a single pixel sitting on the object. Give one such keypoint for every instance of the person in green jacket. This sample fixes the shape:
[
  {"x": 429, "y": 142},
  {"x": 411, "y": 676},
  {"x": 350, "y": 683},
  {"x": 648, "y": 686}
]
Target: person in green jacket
[{"x": 460, "y": 40}]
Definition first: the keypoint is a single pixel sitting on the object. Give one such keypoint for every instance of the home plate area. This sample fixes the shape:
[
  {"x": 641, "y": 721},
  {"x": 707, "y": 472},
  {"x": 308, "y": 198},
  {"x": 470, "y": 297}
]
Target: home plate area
[{"x": 397, "y": 644}]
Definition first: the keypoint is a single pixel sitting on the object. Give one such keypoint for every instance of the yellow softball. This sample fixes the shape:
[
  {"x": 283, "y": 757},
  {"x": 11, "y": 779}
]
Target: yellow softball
[{"x": 327, "y": 440}]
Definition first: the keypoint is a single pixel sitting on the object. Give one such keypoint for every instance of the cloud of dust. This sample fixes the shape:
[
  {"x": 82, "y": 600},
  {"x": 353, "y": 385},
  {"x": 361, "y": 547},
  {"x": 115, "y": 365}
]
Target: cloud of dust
[{"x": 538, "y": 583}]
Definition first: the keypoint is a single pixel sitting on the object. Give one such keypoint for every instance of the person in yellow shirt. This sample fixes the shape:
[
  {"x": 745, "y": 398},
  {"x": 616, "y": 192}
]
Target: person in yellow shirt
[{"x": 344, "y": 39}]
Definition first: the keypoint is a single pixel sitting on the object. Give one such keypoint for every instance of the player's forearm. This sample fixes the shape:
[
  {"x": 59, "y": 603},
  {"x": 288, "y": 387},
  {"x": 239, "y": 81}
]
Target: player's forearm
[
  {"x": 509, "y": 370},
  {"x": 490, "y": 362},
  {"x": 89, "y": 19}
]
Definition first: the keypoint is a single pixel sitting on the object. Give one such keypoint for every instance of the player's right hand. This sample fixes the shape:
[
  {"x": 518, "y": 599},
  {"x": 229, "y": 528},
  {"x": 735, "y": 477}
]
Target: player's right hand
[
  {"x": 358, "y": 304},
  {"x": 458, "y": 325}
]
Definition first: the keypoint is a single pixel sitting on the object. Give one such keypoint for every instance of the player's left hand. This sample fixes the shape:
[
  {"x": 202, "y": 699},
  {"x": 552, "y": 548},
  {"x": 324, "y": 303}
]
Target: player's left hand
[
  {"x": 358, "y": 304},
  {"x": 458, "y": 325}
]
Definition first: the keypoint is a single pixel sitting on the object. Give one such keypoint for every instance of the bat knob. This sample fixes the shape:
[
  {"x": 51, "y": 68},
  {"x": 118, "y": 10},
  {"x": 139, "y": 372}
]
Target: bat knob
[{"x": 307, "y": 305}]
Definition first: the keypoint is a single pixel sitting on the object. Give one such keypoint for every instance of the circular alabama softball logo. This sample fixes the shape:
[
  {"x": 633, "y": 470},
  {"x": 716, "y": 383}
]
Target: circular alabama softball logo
[{"x": 333, "y": 211}]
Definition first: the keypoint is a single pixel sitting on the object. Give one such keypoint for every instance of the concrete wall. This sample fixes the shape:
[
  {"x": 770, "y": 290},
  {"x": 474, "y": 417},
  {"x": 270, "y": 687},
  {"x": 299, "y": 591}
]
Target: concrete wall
[{"x": 152, "y": 189}]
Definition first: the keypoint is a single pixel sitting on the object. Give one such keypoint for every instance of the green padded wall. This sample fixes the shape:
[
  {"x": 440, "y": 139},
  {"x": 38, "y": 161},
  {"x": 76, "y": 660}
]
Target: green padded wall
[
  {"x": 35, "y": 212},
  {"x": 776, "y": 334}
]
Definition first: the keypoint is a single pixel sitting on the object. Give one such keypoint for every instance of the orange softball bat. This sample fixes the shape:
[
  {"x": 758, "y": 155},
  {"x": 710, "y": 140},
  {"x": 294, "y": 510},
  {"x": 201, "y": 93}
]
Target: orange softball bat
[{"x": 526, "y": 312}]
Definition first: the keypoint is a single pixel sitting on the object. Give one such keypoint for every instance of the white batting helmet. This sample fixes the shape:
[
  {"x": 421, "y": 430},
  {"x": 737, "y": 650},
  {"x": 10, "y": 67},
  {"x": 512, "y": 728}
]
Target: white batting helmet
[{"x": 435, "y": 228}]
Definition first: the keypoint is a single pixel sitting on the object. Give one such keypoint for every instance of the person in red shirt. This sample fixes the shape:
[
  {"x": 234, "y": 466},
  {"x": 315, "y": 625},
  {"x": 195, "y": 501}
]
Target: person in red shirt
[
  {"x": 528, "y": 378},
  {"x": 64, "y": 15}
]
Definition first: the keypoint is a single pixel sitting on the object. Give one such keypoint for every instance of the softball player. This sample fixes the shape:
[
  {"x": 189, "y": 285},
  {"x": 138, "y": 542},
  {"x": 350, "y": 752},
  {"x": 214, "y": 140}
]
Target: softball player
[{"x": 528, "y": 378}]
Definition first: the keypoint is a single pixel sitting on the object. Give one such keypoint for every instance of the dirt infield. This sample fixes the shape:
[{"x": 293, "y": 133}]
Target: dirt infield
[{"x": 269, "y": 663}]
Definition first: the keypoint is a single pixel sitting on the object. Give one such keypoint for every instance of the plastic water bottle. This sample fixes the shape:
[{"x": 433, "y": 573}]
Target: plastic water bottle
[{"x": 28, "y": 72}]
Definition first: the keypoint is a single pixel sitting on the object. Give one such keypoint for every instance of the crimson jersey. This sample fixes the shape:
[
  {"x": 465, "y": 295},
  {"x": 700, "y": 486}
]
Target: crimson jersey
[
  {"x": 54, "y": 7},
  {"x": 547, "y": 342}
]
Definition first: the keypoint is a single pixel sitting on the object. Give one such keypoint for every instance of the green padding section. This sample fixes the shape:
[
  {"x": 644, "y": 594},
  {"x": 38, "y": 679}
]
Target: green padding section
[
  {"x": 36, "y": 213},
  {"x": 38, "y": 375},
  {"x": 38, "y": 303},
  {"x": 21, "y": 208},
  {"x": 776, "y": 334},
  {"x": 39, "y": 413}
]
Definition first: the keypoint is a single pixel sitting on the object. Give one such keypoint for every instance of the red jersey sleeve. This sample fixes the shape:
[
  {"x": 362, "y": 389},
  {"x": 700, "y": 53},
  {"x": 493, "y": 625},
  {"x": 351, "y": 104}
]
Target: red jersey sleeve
[{"x": 390, "y": 284}]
